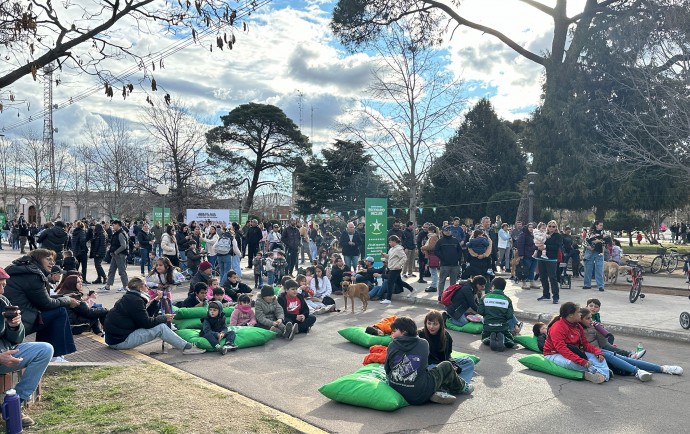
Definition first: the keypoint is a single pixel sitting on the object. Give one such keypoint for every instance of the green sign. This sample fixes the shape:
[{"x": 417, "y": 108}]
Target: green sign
[
  {"x": 376, "y": 224},
  {"x": 3, "y": 219},
  {"x": 234, "y": 216},
  {"x": 244, "y": 218},
  {"x": 158, "y": 215}
]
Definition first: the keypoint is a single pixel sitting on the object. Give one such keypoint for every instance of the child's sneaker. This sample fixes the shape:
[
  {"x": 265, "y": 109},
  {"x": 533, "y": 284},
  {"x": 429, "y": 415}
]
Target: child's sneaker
[
  {"x": 643, "y": 375},
  {"x": 594, "y": 378},
  {"x": 230, "y": 347},
  {"x": 497, "y": 341},
  {"x": 221, "y": 350},
  {"x": 638, "y": 355},
  {"x": 672, "y": 370},
  {"x": 442, "y": 398},
  {"x": 288, "y": 331}
]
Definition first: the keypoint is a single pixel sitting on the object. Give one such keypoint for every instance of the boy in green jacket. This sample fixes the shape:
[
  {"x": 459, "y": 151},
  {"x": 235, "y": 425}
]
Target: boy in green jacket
[{"x": 497, "y": 310}]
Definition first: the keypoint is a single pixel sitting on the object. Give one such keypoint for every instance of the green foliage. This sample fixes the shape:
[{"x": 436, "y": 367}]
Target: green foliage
[
  {"x": 505, "y": 204},
  {"x": 627, "y": 222}
]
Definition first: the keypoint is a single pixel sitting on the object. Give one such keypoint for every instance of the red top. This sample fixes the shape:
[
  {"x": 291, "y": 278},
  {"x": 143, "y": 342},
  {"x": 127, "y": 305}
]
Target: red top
[
  {"x": 293, "y": 304},
  {"x": 563, "y": 333}
]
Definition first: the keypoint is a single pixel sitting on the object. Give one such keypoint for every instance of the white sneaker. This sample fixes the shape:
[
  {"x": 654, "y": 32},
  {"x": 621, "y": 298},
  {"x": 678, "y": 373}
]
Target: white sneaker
[
  {"x": 411, "y": 293},
  {"x": 330, "y": 308},
  {"x": 643, "y": 375},
  {"x": 638, "y": 355},
  {"x": 121, "y": 289},
  {"x": 595, "y": 378},
  {"x": 58, "y": 359},
  {"x": 193, "y": 350},
  {"x": 384, "y": 301},
  {"x": 442, "y": 398},
  {"x": 672, "y": 370}
]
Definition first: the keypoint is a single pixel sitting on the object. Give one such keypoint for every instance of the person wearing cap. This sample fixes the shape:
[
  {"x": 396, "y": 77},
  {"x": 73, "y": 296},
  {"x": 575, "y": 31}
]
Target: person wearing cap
[
  {"x": 448, "y": 251},
  {"x": 46, "y": 316},
  {"x": 203, "y": 275},
  {"x": 370, "y": 274},
  {"x": 118, "y": 257},
  {"x": 15, "y": 354}
]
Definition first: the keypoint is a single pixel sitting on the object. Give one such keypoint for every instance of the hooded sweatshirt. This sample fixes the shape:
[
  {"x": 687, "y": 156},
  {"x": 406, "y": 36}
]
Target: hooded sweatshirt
[
  {"x": 406, "y": 369},
  {"x": 243, "y": 315},
  {"x": 217, "y": 324}
]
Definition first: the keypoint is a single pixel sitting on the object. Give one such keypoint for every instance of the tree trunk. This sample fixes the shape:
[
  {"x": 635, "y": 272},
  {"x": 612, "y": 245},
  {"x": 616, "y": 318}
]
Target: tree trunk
[{"x": 599, "y": 214}]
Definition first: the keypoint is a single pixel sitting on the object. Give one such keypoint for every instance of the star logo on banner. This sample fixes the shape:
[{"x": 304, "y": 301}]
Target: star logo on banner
[{"x": 377, "y": 227}]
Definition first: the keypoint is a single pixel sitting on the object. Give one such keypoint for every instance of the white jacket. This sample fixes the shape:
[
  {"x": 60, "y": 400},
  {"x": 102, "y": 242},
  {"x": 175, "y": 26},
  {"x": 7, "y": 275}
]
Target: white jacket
[
  {"x": 169, "y": 245},
  {"x": 211, "y": 244},
  {"x": 324, "y": 287},
  {"x": 396, "y": 257}
]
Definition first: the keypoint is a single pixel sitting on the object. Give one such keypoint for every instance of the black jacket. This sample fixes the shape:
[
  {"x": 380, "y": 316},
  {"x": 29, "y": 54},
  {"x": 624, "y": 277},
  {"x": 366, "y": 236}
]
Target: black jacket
[
  {"x": 254, "y": 235},
  {"x": 448, "y": 250},
  {"x": 350, "y": 250},
  {"x": 303, "y": 309},
  {"x": 553, "y": 244},
  {"x": 232, "y": 291},
  {"x": 53, "y": 239},
  {"x": 129, "y": 314},
  {"x": 199, "y": 277},
  {"x": 291, "y": 238},
  {"x": 408, "y": 240},
  {"x": 98, "y": 244},
  {"x": 462, "y": 300},
  {"x": 28, "y": 288},
  {"x": 79, "y": 242}
]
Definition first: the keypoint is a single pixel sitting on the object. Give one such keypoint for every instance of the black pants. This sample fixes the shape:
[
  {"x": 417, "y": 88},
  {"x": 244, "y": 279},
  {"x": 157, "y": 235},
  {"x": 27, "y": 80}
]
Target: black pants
[
  {"x": 253, "y": 248},
  {"x": 394, "y": 282},
  {"x": 32, "y": 243},
  {"x": 291, "y": 259},
  {"x": 547, "y": 276},
  {"x": 99, "y": 269},
  {"x": 174, "y": 259},
  {"x": 305, "y": 325},
  {"x": 82, "y": 261},
  {"x": 57, "y": 331}
]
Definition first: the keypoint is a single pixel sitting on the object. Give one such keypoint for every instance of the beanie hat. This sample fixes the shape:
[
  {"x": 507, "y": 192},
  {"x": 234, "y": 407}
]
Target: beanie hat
[
  {"x": 267, "y": 291},
  {"x": 205, "y": 266},
  {"x": 3, "y": 274}
]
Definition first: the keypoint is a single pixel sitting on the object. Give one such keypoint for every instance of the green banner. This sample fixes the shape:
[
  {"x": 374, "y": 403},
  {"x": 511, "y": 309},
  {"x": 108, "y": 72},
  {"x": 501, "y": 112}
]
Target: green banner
[
  {"x": 3, "y": 219},
  {"x": 376, "y": 223},
  {"x": 158, "y": 215},
  {"x": 234, "y": 216},
  {"x": 243, "y": 219}
]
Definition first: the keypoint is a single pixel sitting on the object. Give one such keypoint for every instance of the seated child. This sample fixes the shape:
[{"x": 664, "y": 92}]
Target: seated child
[
  {"x": 441, "y": 345},
  {"x": 594, "y": 305},
  {"x": 270, "y": 315},
  {"x": 193, "y": 258},
  {"x": 540, "y": 237},
  {"x": 594, "y": 335},
  {"x": 196, "y": 298},
  {"x": 213, "y": 329},
  {"x": 539, "y": 331},
  {"x": 243, "y": 315},
  {"x": 219, "y": 294},
  {"x": 497, "y": 310},
  {"x": 406, "y": 368},
  {"x": 69, "y": 263},
  {"x": 234, "y": 287},
  {"x": 295, "y": 308},
  {"x": 478, "y": 243},
  {"x": 382, "y": 327}
]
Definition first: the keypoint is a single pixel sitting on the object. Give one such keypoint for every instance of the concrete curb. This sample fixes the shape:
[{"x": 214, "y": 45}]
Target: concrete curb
[{"x": 546, "y": 317}]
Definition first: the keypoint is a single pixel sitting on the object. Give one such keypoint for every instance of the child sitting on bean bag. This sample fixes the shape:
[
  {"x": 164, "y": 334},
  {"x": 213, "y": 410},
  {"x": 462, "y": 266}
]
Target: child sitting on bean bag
[
  {"x": 213, "y": 329},
  {"x": 243, "y": 315}
]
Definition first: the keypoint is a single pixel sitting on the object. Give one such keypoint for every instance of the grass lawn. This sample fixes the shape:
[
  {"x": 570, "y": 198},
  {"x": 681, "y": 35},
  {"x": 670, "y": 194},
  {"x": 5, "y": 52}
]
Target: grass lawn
[{"x": 141, "y": 398}]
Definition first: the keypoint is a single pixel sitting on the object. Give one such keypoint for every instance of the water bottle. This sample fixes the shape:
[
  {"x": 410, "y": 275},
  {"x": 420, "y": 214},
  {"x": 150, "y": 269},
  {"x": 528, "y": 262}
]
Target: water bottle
[
  {"x": 12, "y": 413},
  {"x": 639, "y": 347}
]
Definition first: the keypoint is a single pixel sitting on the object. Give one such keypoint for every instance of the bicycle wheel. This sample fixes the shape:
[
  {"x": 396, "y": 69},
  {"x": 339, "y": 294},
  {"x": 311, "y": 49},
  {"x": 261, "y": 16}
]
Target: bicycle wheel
[
  {"x": 635, "y": 291},
  {"x": 685, "y": 320},
  {"x": 672, "y": 264},
  {"x": 656, "y": 265}
]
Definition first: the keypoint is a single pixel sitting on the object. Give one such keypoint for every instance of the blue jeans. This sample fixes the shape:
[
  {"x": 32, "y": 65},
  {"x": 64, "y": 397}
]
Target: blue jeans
[
  {"x": 378, "y": 291},
  {"x": 628, "y": 365},
  {"x": 313, "y": 249},
  {"x": 144, "y": 256},
  {"x": 36, "y": 356},
  {"x": 599, "y": 367},
  {"x": 225, "y": 264},
  {"x": 142, "y": 336},
  {"x": 434, "y": 276},
  {"x": 351, "y": 261},
  {"x": 212, "y": 260},
  {"x": 57, "y": 331},
  {"x": 594, "y": 264},
  {"x": 467, "y": 368},
  {"x": 157, "y": 249},
  {"x": 235, "y": 261},
  {"x": 532, "y": 264},
  {"x": 460, "y": 321},
  {"x": 270, "y": 276}
]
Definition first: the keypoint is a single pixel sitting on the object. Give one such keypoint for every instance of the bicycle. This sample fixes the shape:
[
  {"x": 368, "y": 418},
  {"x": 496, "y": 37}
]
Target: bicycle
[
  {"x": 666, "y": 258},
  {"x": 636, "y": 272}
]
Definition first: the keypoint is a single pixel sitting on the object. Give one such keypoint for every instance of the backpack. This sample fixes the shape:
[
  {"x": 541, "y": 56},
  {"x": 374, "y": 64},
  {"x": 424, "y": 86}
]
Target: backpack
[
  {"x": 448, "y": 294},
  {"x": 223, "y": 246}
]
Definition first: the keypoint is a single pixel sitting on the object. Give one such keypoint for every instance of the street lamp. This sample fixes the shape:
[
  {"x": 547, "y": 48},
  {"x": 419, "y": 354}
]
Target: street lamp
[
  {"x": 163, "y": 190},
  {"x": 23, "y": 201},
  {"x": 530, "y": 195}
]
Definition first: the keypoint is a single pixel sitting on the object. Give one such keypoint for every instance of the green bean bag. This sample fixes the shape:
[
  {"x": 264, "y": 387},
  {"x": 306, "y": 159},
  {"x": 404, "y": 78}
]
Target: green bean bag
[
  {"x": 358, "y": 336},
  {"x": 367, "y": 387},
  {"x": 537, "y": 362},
  {"x": 246, "y": 337},
  {"x": 188, "y": 323},
  {"x": 459, "y": 355},
  {"x": 529, "y": 342},
  {"x": 198, "y": 312},
  {"x": 474, "y": 328}
]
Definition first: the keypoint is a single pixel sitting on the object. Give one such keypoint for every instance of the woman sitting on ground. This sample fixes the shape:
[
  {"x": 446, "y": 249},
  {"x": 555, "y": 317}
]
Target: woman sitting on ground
[
  {"x": 441, "y": 346},
  {"x": 82, "y": 317}
]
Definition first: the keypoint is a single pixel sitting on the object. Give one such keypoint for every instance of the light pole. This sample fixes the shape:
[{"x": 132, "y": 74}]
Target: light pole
[
  {"x": 23, "y": 201},
  {"x": 163, "y": 190},
  {"x": 530, "y": 195}
]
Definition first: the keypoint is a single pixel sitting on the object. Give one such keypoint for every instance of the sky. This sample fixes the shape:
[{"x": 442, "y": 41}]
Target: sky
[{"x": 289, "y": 51}]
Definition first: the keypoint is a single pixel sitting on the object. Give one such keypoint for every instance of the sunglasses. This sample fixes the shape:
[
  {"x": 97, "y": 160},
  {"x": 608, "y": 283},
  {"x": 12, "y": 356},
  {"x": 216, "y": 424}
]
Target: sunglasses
[{"x": 552, "y": 226}]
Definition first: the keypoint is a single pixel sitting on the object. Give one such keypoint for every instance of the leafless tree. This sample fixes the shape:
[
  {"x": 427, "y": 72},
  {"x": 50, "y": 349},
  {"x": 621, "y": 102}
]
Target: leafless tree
[
  {"x": 8, "y": 172},
  {"x": 178, "y": 148},
  {"x": 33, "y": 158},
  {"x": 413, "y": 101}
]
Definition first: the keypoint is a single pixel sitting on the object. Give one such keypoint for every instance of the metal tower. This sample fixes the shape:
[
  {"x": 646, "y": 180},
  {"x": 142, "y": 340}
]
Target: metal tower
[{"x": 48, "y": 118}]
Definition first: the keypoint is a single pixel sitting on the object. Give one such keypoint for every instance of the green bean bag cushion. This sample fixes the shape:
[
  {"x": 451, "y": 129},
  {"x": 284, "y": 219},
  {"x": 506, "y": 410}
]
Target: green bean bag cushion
[
  {"x": 358, "y": 336},
  {"x": 529, "y": 342},
  {"x": 246, "y": 337},
  {"x": 537, "y": 362},
  {"x": 367, "y": 387},
  {"x": 198, "y": 312},
  {"x": 187, "y": 323},
  {"x": 474, "y": 328},
  {"x": 459, "y": 355}
]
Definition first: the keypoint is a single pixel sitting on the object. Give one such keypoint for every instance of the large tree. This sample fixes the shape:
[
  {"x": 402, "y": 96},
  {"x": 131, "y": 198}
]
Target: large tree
[
  {"x": 79, "y": 35},
  {"x": 340, "y": 181},
  {"x": 410, "y": 105},
  {"x": 254, "y": 143}
]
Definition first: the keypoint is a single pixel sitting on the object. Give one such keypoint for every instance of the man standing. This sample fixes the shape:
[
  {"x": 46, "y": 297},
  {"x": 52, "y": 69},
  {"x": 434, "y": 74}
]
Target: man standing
[
  {"x": 397, "y": 231},
  {"x": 448, "y": 251},
  {"x": 291, "y": 240},
  {"x": 157, "y": 231},
  {"x": 349, "y": 243},
  {"x": 491, "y": 232},
  {"x": 15, "y": 354},
  {"x": 304, "y": 242},
  {"x": 254, "y": 236},
  {"x": 421, "y": 240},
  {"x": 408, "y": 242},
  {"x": 118, "y": 256}
]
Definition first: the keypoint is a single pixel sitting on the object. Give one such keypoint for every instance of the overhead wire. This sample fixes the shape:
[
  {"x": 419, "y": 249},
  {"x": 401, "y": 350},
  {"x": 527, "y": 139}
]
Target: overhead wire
[{"x": 155, "y": 58}]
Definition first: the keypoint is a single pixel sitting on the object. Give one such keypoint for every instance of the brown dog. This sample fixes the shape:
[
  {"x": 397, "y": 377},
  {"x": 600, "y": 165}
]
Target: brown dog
[
  {"x": 355, "y": 290},
  {"x": 611, "y": 272}
]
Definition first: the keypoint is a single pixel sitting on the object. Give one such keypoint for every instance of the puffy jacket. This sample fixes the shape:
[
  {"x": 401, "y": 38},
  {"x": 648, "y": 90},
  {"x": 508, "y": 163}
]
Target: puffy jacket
[
  {"x": 448, "y": 251},
  {"x": 291, "y": 238},
  {"x": 267, "y": 312},
  {"x": 53, "y": 239},
  {"x": 525, "y": 243},
  {"x": 9, "y": 337},
  {"x": 129, "y": 314},
  {"x": 98, "y": 244},
  {"x": 168, "y": 245},
  {"x": 396, "y": 257},
  {"x": 28, "y": 288},
  {"x": 79, "y": 242}
]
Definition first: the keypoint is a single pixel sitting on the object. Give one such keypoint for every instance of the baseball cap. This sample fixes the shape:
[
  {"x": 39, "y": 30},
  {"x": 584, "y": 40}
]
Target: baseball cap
[
  {"x": 369, "y": 259},
  {"x": 56, "y": 269},
  {"x": 446, "y": 228}
]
